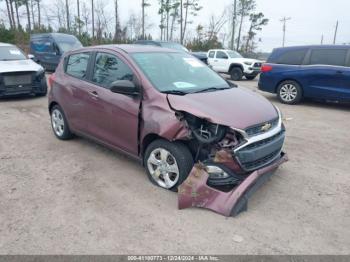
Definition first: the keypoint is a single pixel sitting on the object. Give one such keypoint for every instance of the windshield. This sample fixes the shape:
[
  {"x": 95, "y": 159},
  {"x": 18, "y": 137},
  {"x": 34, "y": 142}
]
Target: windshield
[
  {"x": 67, "y": 46},
  {"x": 68, "y": 43},
  {"x": 9, "y": 53},
  {"x": 233, "y": 54},
  {"x": 178, "y": 72},
  {"x": 174, "y": 46}
]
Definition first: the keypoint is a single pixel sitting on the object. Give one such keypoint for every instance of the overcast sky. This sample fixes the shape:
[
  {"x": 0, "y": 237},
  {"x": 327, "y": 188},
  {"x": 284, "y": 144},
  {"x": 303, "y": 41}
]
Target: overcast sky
[{"x": 310, "y": 19}]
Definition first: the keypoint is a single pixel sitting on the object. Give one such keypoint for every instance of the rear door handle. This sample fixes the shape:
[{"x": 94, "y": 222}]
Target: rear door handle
[{"x": 94, "y": 94}]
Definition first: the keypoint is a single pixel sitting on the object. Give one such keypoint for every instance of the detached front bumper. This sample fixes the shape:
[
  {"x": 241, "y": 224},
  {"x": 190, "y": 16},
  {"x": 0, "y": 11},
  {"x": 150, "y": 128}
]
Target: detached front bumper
[{"x": 195, "y": 192}]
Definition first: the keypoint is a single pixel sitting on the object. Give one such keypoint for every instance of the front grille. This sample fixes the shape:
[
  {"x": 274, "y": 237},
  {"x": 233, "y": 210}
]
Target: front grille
[
  {"x": 13, "y": 80},
  {"x": 258, "y": 129},
  {"x": 260, "y": 153}
]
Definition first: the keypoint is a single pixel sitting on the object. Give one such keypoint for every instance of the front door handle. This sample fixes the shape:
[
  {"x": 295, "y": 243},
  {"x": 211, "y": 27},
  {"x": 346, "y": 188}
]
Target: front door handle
[
  {"x": 94, "y": 94},
  {"x": 339, "y": 72}
]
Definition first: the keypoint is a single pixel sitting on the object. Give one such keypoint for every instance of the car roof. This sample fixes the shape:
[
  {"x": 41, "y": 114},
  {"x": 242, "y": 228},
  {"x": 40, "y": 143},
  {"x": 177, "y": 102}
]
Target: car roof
[
  {"x": 312, "y": 46},
  {"x": 49, "y": 34},
  {"x": 128, "y": 48},
  {"x": 6, "y": 44}
]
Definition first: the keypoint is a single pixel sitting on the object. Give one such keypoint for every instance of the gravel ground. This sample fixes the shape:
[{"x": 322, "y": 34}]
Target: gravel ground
[{"x": 77, "y": 197}]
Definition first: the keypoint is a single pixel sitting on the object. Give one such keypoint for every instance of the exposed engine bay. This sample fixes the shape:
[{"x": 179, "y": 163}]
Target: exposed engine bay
[{"x": 230, "y": 164}]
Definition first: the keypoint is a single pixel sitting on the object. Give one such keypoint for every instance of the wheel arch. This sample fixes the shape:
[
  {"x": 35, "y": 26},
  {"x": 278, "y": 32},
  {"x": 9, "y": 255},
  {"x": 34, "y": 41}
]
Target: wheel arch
[
  {"x": 234, "y": 65},
  {"x": 51, "y": 105}
]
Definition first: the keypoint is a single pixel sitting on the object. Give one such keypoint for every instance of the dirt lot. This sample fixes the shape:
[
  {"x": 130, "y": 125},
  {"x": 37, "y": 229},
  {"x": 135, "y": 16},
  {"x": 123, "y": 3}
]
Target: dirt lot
[{"x": 77, "y": 197}]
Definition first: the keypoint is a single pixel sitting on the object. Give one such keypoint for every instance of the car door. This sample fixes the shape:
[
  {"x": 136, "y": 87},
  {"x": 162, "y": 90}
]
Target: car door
[
  {"x": 114, "y": 118},
  {"x": 326, "y": 73},
  {"x": 221, "y": 61},
  {"x": 77, "y": 95}
]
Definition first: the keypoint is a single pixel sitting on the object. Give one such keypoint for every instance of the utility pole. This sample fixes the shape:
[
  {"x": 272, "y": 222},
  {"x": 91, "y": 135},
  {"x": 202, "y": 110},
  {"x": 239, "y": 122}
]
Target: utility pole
[
  {"x": 143, "y": 19},
  {"x": 232, "y": 44},
  {"x": 284, "y": 21},
  {"x": 79, "y": 24},
  {"x": 322, "y": 39},
  {"x": 335, "y": 33},
  {"x": 181, "y": 22}
]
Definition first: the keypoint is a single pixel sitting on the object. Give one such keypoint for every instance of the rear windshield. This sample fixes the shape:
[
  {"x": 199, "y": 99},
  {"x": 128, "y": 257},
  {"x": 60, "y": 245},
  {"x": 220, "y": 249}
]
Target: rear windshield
[
  {"x": 10, "y": 53},
  {"x": 288, "y": 57},
  {"x": 174, "y": 46}
]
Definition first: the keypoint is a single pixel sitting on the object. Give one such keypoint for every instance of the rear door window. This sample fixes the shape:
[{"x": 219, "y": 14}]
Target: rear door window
[
  {"x": 211, "y": 54},
  {"x": 109, "y": 68},
  {"x": 221, "y": 55},
  {"x": 293, "y": 57},
  {"x": 77, "y": 65},
  {"x": 334, "y": 57}
]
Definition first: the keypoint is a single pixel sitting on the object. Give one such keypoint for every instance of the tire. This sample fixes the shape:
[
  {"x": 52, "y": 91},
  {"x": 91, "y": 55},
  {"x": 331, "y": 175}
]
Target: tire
[
  {"x": 236, "y": 74},
  {"x": 162, "y": 157},
  {"x": 59, "y": 124},
  {"x": 44, "y": 88},
  {"x": 289, "y": 92},
  {"x": 250, "y": 77}
]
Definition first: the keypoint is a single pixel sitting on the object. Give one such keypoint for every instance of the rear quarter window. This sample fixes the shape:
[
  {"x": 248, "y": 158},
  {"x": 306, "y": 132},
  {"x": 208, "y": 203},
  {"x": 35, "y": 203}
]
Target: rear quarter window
[
  {"x": 290, "y": 57},
  {"x": 334, "y": 57},
  {"x": 77, "y": 64}
]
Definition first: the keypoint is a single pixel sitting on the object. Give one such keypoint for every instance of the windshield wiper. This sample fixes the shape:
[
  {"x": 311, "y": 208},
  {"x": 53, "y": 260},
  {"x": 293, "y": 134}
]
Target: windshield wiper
[
  {"x": 211, "y": 89},
  {"x": 175, "y": 92}
]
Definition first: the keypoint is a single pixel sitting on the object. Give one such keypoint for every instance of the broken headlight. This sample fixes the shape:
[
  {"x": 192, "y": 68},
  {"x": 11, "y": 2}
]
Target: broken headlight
[{"x": 204, "y": 131}]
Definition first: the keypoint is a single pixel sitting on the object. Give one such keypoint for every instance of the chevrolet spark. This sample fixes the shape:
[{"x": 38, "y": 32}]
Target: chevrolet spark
[{"x": 167, "y": 109}]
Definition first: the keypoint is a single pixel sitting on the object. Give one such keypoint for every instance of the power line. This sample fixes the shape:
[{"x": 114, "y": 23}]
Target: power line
[{"x": 284, "y": 21}]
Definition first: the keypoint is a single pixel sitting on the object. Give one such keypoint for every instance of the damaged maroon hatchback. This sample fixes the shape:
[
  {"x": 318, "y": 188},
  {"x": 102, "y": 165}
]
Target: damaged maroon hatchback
[{"x": 170, "y": 110}]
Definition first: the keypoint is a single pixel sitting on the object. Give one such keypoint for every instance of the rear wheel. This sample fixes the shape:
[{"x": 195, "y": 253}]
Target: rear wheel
[
  {"x": 236, "y": 74},
  {"x": 289, "y": 92},
  {"x": 167, "y": 163}
]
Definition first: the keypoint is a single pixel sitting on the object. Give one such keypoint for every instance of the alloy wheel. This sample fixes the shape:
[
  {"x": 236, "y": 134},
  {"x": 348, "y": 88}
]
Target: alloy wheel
[
  {"x": 288, "y": 92},
  {"x": 57, "y": 122}
]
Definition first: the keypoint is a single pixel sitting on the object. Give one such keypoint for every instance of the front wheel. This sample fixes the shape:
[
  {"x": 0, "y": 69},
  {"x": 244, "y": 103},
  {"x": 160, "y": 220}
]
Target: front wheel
[
  {"x": 289, "y": 92},
  {"x": 236, "y": 74},
  {"x": 59, "y": 124},
  {"x": 167, "y": 163}
]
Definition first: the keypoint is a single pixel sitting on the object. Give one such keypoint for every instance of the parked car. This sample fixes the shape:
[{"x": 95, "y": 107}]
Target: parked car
[
  {"x": 175, "y": 46},
  {"x": 232, "y": 63},
  {"x": 319, "y": 72},
  {"x": 47, "y": 49},
  {"x": 19, "y": 75},
  {"x": 167, "y": 109}
]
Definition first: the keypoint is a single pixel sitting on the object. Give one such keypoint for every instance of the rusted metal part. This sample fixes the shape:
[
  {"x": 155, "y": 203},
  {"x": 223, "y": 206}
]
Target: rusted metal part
[{"x": 195, "y": 192}]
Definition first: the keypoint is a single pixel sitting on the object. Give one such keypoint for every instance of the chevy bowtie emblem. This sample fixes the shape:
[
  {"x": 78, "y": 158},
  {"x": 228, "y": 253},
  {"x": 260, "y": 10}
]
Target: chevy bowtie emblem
[{"x": 266, "y": 127}]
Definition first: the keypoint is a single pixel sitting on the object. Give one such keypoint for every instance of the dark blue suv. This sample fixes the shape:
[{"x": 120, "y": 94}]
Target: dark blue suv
[{"x": 319, "y": 72}]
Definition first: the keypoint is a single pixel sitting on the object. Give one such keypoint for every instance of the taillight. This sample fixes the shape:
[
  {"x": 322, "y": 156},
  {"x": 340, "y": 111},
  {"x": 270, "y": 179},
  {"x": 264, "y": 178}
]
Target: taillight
[
  {"x": 51, "y": 79},
  {"x": 266, "y": 68}
]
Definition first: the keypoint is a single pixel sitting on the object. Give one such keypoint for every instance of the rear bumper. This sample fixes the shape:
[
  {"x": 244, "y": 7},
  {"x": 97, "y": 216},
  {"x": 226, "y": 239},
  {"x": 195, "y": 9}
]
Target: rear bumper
[{"x": 195, "y": 192}]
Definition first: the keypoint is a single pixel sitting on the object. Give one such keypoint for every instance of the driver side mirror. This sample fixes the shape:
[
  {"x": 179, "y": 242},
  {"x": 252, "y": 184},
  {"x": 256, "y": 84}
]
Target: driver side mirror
[
  {"x": 30, "y": 56},
  {"x": 124, "y": 87}
]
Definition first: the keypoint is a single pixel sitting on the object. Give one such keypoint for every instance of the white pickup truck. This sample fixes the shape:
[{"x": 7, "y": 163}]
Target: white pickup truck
[{"x": 231, "y": 62}]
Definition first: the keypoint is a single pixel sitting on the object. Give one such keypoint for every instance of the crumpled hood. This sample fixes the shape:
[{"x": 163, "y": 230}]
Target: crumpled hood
[
  {"x": 235, "y": 107},
  {"x": 19, "y": 66}
]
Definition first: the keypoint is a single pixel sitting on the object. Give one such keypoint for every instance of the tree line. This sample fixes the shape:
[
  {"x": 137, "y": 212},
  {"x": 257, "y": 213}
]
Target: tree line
[{"x": 93, "y": 24}]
